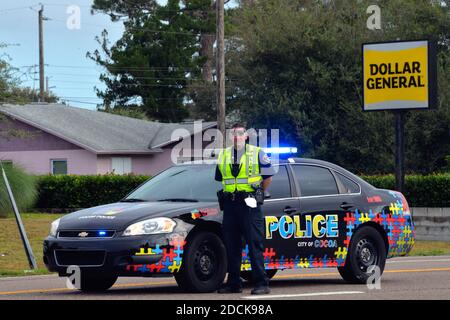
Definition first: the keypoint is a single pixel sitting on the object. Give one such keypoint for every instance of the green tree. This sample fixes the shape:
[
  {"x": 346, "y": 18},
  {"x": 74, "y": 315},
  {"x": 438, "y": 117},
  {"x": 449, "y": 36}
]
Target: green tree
[
  {"x": 128, "y": 111},
  {"x": 11, "y": 90},
  {"x": 298, "y": 68},
  {"x": 157, "y": 59}
]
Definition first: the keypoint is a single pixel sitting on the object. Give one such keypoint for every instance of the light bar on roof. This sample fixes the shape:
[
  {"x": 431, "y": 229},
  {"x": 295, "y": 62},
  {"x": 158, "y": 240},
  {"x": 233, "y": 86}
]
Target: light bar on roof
[{"x": 281, "y": 150}]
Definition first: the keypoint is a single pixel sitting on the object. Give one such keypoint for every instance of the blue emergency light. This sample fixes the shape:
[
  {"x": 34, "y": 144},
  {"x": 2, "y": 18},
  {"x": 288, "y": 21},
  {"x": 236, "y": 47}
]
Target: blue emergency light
[
  {"x": 102, "y": 233},
  {"x": 280, "y": 150}
]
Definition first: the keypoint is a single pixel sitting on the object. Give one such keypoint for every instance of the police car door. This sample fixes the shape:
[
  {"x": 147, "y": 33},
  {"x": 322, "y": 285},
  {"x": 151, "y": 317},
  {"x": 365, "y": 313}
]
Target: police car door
[
  {"x": 322, "y": 228},
  {"x": 277, "y": 211}
]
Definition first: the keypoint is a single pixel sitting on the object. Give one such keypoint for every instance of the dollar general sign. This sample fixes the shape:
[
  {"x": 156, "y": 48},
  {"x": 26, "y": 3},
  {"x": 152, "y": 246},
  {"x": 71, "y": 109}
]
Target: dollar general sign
[{"x": 399, "y": 75}]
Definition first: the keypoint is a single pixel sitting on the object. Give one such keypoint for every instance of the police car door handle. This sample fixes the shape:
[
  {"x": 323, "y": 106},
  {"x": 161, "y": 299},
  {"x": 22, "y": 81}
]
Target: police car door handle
[
  {"x": 289, "y": 210},
  {"x": 346, "y": 205}
]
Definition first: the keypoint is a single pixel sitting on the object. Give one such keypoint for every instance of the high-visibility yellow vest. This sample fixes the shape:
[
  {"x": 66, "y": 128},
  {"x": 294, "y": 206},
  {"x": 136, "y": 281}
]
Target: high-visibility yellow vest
[{"x": 249, "y": 172}]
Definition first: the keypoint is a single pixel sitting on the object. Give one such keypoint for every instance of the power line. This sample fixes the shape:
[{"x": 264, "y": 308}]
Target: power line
[
  {"x": 17, "y": 8},
  {"x": 134, "y": 28},
  {"x": 140, "y": 85},
  {"x": 78, "y": 97},
  {"x": 134, "y": 69},
  {"x": 143, "y": 78},
  {"x": 132, "y": 77},
  {"x": 88, "y": 6},
  {"x": 101, "y": 101},
  {"x": 65, "y": 5},
  {"x": 116, "y": 26},
  {"x": 189, "y": 83},
  {"x": 158, "y": 98},
  {"x": 159, "y": 9},
  {"x": 124, "y": 68}
]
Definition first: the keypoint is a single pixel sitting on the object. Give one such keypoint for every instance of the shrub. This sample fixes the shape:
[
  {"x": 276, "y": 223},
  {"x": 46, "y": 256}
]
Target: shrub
[
  {"x": 70, "y": 192},
  {"x": 83, "y": 191},
  {"x": 420, "y": 190},
  {"x": 23, "y": 186}
]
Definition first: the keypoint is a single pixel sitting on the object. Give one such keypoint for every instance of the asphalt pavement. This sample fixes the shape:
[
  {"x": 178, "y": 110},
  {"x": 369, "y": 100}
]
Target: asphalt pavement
[{"x": 404, "y": 278}]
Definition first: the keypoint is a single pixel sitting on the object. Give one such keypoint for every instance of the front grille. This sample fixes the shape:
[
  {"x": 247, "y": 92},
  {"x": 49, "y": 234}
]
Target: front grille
[
  {"x": 86, "y": 233},
  {"x": 80, "y": 258}
]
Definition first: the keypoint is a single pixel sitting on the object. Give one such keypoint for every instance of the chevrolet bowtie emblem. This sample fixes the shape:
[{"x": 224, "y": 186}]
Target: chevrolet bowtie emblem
[{"x": 83, "y": 234}]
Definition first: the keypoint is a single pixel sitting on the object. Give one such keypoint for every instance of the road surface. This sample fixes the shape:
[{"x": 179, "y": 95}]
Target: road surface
[{"x": 404, "y": 278}]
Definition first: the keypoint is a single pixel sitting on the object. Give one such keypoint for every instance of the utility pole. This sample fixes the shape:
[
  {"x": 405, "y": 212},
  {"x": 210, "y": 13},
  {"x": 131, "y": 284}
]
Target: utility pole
[
  {"x": 220, "y": 69},
  {"x": 41, "y": 55}
]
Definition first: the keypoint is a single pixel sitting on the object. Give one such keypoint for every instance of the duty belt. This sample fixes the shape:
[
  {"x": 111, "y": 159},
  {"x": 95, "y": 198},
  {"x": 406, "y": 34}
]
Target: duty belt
[{"x": 238, "y": 195}]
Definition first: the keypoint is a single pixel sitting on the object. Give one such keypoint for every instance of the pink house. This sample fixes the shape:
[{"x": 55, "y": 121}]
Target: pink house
[{"x": 58, "y": 139}]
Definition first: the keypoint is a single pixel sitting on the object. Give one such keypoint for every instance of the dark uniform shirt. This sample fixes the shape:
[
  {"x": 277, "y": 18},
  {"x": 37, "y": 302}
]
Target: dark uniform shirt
[{"x": 264, "y": 164}]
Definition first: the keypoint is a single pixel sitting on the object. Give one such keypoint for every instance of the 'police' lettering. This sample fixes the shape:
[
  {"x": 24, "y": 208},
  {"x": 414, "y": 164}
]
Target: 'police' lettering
[{"x": 318, "y": 226}]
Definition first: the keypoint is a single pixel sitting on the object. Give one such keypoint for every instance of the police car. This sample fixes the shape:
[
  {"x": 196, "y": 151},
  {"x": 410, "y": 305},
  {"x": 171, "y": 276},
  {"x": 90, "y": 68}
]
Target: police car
[{"x": 318, "y": 215}]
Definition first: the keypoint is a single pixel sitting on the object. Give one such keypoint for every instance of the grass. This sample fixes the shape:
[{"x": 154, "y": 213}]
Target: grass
[
  {"x": 430, "y": 248},
  {"x": 13, "y": 261}
]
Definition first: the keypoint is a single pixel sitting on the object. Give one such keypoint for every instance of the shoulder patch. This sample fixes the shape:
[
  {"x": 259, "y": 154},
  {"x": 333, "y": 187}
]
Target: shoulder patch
[{"x": 265, "y": 159}]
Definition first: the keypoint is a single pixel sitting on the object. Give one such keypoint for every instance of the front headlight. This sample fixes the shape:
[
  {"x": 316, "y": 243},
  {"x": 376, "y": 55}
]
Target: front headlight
[
  {"x": 54, "y": 228},
  {"x": 150, "y": 226}
]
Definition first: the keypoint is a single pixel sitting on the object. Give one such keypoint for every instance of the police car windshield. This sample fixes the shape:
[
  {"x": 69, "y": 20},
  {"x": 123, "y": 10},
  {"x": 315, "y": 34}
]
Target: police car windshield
[{"x": 191, "y": 182}]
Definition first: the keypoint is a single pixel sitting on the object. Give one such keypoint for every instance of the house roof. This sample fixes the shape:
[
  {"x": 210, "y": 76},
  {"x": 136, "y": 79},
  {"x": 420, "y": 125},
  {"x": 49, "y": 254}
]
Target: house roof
[{"x": 100, "y": 132}]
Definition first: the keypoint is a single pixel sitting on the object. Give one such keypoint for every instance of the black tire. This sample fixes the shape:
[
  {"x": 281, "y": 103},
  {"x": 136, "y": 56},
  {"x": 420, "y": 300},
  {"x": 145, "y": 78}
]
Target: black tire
[
  {"x": 247, "y": 275},
  {"x": 367, "y": 248},
  {"x": 204, "y": 264},
  {"x": 96, "y": 282}
]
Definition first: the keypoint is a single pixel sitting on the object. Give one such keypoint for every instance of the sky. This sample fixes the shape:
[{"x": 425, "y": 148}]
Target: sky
[{"x": 72, "y": 76}]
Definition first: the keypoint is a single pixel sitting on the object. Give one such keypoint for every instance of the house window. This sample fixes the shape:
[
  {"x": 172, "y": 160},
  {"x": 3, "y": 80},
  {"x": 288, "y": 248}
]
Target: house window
[
  {"x": 59, "y": 166},
  {"x": 121, "y": 165}
]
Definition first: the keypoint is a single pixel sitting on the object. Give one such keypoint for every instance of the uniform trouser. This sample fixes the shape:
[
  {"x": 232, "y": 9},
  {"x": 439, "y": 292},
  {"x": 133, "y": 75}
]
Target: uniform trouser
[{"x": 239, "y": 221}]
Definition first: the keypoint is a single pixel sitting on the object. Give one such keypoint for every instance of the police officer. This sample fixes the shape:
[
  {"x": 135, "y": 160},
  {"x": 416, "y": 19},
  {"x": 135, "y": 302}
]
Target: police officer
[{"x": 243, "y": 169}]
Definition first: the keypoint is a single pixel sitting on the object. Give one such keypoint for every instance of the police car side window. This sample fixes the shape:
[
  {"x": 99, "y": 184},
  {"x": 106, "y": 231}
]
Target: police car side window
[
  {"x": 349, "y": 185},
  {"x": 315, "y": 181},
  {"x": 280, "y": 187}
]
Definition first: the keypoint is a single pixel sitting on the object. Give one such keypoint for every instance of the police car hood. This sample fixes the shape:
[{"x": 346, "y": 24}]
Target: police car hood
[{"x": 120, "y": 215}]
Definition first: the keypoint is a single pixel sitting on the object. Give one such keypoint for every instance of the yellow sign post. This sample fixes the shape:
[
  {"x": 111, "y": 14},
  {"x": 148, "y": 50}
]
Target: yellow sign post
[{"x": 399, "y": 76}]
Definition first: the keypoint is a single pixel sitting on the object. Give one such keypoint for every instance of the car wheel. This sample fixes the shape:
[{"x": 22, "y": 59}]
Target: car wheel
[
  {"x": 95, "y": 282},
  {"x": 367, "y": 248},
  {"x": 247, "y": 275},
  {"x": 204, "y": 264}
]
